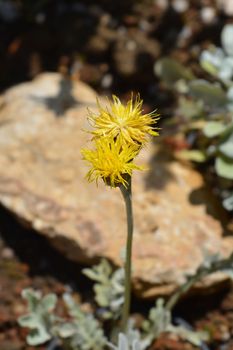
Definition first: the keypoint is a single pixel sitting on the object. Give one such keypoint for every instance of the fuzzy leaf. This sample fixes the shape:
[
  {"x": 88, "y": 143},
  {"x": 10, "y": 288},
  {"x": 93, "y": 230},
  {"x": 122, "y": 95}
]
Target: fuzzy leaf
[
  {"x": 171, "y": 71},
  {"x": 212, "y": 59},
  {"x": 49, "y": 302},
  {"x": 228, "y": 202},
  {"x": 194, "y": 155},
  {"x": 92, "y": 274},
  {"x": 38, "y": 336},
  {"x": 102, "y": 295},
  {"x": 209, "y": 67},
  {"x": 212, "y": 95},
  {"x": 30, "y": 321},
  {"x": 224, "y": 167},
  {"x": 128, "y": 342},
  {"x": 190, "y": 108},
  {"x": 195, "y": 338},
  {"x": 123, "y": 342},
  {"x": 227, "y": 39},
  {"x": 226, "y": 147},
  {"x": 66, "y": 330},
  {"x": 213, "y": 129},
  {"x": 33, "y": 298}
]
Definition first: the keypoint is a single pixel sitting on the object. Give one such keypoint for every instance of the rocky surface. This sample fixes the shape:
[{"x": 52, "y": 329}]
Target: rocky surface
[{"x": 42, "y": 182}]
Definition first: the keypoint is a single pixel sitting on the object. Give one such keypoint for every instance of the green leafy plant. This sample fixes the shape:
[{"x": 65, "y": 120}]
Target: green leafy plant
[
  {"x": 160, "y": 321},
  {"x": 109, "y": 288},
  {"x": 125, "y": 344},
  {"x": 130, "y": 341},
  {"x": 112, "y": 160},
  {"x": 205, "y": 110},
  {"x": 82, "y": 331},
  {"x": 40, "y": 318}
]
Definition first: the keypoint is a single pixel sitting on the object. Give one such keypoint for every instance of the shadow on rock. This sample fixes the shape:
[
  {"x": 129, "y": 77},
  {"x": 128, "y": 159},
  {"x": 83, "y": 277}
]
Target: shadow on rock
[
  {"x": 63, "y": 101},
  {"x": 213, "y": 207},
  {"x": 159, "y": 173},
  {"x": 36, "y": 252}
]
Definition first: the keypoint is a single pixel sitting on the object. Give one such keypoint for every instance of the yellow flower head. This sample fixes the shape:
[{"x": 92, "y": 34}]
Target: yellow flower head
[
  {"x": 126, "y": 122},
  {"x": 111, "y": 161}
]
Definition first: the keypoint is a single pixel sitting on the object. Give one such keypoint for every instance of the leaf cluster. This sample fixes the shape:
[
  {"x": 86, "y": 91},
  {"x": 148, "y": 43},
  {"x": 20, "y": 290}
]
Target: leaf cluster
[
  {"x": 108, "y": 288},
  {"x": 80, "y": 332},
  {"x": 206, "y": 109}
]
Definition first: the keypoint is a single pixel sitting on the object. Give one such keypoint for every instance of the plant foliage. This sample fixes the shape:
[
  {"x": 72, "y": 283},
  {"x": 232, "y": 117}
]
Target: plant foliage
[{"x": 206, "y": 109}]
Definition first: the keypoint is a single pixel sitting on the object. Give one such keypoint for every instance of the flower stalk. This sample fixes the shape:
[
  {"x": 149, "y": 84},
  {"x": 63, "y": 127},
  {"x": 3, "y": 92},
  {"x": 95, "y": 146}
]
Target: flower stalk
[
  {"x": 119, "y": 133},
  {"x": 127, "y": 195}
]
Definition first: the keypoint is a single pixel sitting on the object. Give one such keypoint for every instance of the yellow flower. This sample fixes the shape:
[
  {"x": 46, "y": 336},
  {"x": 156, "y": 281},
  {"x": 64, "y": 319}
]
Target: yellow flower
[
  {"x": 111, "y": 161},
  {"x": 126, "y": 122}
]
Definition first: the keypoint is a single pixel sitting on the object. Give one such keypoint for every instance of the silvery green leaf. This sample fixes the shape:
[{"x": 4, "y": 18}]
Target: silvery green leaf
[
  {"x": 226, "y": 147},
  {"x": 181, "y": 86},
  {"x": 100, "y": 272},
  {"x": 229, "y": 273},
  {"x": 228, "y": 202},
  {"x": 49, "y": 302},
  {"x": 29, "y": 293},
  {"x": 215, "y": 62},
  {"x": 73, "y": 308},
  {"x": 226, "y": 69},
  {"x": 92, "y": 274},
  {"x": 102, "y": 295},
  {"x": 123, "y": 342},
  {"x": 212, "y": 129},
  {"x": 224, "y": 167},
  {"x": 158, "y": 321},
  {"x": 212, "y": 94},
  {"x": 109, "y": 287},
  {"x": 211, "y": 60},
  {"x": 230, "y": 106},
  {"x": 38, "y": 336},
  {"x": 211, "y": 150},
  {"x": 126, "y": 342},
  {"x": 30, "y": 321},
  {"x": 170, "y": 71},
  {"x": 230, "y": 94},
  {"x": 103, "y": 268},
  {"x": 190, "y": 108},
  {"x": 66, "y": 330},
  {"x": 194, "y": 155},
  {"x": 117, "y": 303},
  {"x": 209, "y": 258},
  {"x": 209, "y": 67},
  {"x": 88, "y": 335},
  {"x": 33, "y": 298},
  {"x": 227, "y": 39},
  {"x": 195, "y": 338},
  {"x": 230, "y": 99}
]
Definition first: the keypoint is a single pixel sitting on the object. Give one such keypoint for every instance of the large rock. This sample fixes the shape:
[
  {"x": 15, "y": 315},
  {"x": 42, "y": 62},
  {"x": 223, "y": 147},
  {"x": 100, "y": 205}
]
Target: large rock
[{"x": 42, "y": 182}]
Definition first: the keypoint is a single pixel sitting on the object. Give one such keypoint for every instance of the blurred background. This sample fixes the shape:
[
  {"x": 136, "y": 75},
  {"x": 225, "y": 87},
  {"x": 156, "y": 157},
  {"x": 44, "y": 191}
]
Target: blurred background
[{"x": 178, "y": 54}]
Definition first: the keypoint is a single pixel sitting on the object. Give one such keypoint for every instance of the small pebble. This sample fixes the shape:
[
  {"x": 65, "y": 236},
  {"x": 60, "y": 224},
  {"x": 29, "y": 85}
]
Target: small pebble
[
  {"x": 208, "y": 15},
  {"x": 40, "y": 18},
  {"x": 7, "y": 253},
  {"x": 107, "y": 81},
  {"x": 180, "y": 5},
  {"x": 162, "y": 4},
  {"x": 131, "y": 45},
  {"x": 144, "y": 25}
]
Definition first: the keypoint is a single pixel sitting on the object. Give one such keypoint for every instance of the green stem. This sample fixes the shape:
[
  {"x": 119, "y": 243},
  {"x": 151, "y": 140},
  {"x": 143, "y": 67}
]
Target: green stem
[
  {"x": 127, "y": 195},
  {"x": 203, "y": 270}
]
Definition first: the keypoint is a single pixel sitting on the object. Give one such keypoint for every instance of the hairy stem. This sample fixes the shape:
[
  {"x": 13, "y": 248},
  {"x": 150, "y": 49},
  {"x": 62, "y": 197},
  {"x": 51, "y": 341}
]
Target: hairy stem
[{"x": 127, "y": 195}]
